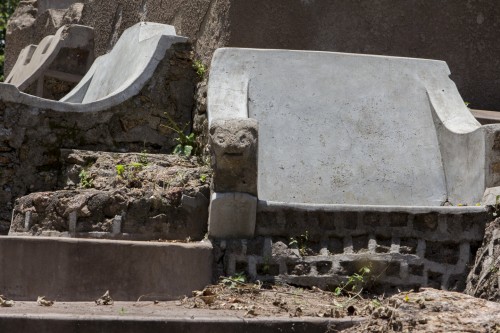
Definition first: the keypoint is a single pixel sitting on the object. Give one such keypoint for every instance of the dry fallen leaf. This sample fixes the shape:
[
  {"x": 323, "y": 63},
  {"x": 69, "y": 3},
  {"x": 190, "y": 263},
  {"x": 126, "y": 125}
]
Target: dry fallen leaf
[
  {"x": 104, "y": 299},
  {"x": 208, "y": 299},
  {"x": 44, "y": 302},
  {"x": 6, "y": 303}
]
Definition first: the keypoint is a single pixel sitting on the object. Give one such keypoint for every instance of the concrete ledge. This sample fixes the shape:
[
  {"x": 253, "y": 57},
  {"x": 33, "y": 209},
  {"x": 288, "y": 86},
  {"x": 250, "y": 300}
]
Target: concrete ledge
[
  {"x": 75, "y": 269},
  {"x": 273, "y": 206},
  {"x": 175, "y": 320},
  {"x": 486, "y": 117}
]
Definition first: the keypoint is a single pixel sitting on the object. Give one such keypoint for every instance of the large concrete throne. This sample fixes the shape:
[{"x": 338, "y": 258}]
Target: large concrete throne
[{"x": 343, "y": 129}]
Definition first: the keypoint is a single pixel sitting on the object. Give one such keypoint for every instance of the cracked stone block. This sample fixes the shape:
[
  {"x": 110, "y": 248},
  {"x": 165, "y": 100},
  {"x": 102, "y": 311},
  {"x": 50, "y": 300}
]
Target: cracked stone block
[
  {"x": 323, "y": 267},
  {"x": 299, "y": 269},
  {"x": 383, "y": 244},
  {"x": 442, "y": 252},
  {"x": 408, "y": 245},
  {"x": 417, "y": 270},
  {"x": 425, "y": 222},
  {"x": 360, "y": 243}
]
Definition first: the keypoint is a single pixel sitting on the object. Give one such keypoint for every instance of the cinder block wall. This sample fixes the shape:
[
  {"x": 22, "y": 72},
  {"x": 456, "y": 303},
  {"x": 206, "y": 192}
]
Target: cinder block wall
[{"x": 403, "y": 249}]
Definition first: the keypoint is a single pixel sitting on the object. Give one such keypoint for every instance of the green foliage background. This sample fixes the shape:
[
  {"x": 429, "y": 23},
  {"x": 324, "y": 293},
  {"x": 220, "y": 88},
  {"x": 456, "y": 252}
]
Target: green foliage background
[{"x": 7, "y": 7}]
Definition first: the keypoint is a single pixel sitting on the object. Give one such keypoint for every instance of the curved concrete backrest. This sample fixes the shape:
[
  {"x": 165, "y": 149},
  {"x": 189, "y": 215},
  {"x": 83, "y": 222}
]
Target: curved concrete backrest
[
  {"x": 35, "y": 60},
  {"x": 352, "y": 129},
  {"x": 114, "y": 77},
  {"x": 129, "y": 64}
]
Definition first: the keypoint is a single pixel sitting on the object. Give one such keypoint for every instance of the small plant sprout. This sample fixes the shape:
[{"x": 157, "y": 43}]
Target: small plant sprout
[
  {"x": 143, "y": 157},
  {"x": 354, "y": 283},
  {"x": 86, "y": 180},
  {"x": 203, "y": 178},
  {"x": 235, "y": 280},
  {"x": 186, "y": 144},
  {"x": 300, "y": 243},
  {"x": 199, "y": 68},
  {"x": 496, "y": 207},
  {"x": 120, "y": 169}
]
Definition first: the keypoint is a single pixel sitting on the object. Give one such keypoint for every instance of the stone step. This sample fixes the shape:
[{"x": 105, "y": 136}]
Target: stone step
[
  {"x": 121, "y": 196},
  {"x": 124, "y": 317},
  {"x": 67, "y": 269}
]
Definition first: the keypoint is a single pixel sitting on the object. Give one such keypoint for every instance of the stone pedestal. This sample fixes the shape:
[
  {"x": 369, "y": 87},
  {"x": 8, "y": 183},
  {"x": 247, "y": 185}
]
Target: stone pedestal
[{"x": 232, "y": 215}]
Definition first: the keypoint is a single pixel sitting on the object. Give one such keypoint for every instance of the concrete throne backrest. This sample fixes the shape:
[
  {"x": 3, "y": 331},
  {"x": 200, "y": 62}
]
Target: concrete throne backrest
[{"x": 352, "y": 129}]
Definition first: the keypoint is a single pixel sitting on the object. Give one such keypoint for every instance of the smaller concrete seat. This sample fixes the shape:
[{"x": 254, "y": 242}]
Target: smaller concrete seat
[
  {"x": 65, "y": 56},
  {"x": 118, "y": 106}
]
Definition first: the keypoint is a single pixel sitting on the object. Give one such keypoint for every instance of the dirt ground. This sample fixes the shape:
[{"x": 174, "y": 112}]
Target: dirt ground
[{"x": 426, "y": 310}]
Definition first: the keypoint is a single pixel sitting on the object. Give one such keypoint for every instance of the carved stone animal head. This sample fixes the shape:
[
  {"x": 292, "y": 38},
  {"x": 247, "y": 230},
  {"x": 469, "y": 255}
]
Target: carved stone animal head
[{"x": 234, "y": 154}]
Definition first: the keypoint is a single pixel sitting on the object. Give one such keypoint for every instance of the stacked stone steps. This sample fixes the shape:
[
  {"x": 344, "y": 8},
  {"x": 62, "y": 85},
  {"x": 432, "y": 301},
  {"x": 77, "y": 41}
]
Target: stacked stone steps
[
  {"x": 119, "y": 196},
  {"x": 149, "y": 212},
  {"x": 322, "y": 245}
]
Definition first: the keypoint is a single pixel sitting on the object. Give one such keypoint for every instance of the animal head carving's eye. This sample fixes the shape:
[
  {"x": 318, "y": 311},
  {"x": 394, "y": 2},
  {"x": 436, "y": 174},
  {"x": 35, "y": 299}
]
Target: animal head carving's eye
[
  {"x": 220, "y": 139},
  {"x": 243, "y": 138}
]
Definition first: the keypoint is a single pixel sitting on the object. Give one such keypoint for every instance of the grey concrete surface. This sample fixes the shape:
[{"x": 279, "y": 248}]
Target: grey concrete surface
[
  {"x": 340, "y": 128},
  {"x": 121, "y": 73},
  {"x": 82, "y": 270}
]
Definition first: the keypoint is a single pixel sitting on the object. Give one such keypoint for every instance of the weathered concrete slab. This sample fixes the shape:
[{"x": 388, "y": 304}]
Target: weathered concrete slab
[
  {"x": 71, "y": 46},
  {"x": 81, "y": 270},
  {"x": 352, "y": 129}
]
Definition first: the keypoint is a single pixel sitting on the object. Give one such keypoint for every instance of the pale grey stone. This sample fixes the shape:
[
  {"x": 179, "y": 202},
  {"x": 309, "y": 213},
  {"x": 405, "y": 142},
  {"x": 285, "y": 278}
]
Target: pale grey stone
[
  {"x": 490, "y": 196},
  {"x": 232, "y": 215}
]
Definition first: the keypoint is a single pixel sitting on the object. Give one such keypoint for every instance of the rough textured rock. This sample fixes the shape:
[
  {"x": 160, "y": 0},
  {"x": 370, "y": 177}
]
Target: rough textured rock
[
  {"x": 431, "y": 311},
  {"x": 234, "y": 155},
  {"x": 463, "y": 34},
  {"x": 484, "y": 278},
  {"x": 132, "y": 196}
]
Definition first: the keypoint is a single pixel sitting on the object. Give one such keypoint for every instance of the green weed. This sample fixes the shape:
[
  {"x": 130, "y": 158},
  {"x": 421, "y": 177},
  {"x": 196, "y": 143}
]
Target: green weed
[
  {"x": 86, "y": 180},
  {"x": 199, "y": 68},
  {"x": 186, "y": 144}
]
